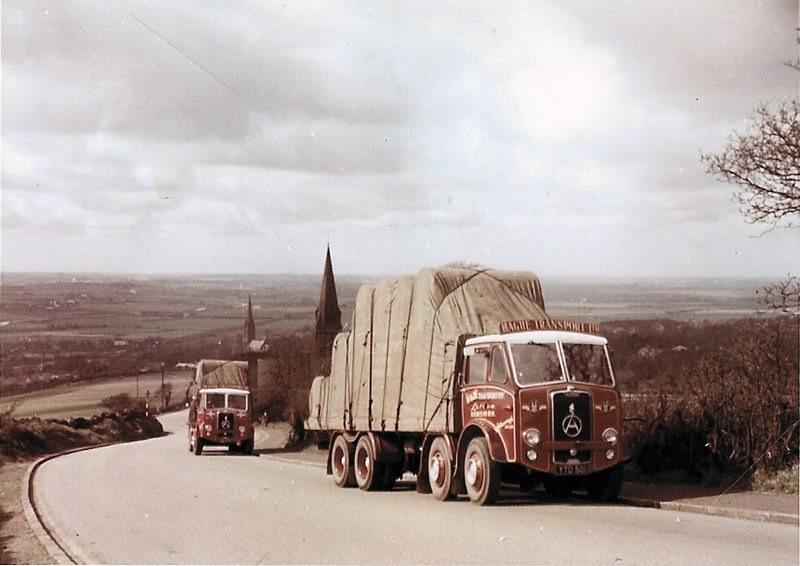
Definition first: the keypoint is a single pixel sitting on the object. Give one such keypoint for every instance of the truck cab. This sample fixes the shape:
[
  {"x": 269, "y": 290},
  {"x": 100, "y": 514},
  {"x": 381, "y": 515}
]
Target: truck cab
[
  {"x": 542, "y": 396},
  {"x": 221, "y": 416}
]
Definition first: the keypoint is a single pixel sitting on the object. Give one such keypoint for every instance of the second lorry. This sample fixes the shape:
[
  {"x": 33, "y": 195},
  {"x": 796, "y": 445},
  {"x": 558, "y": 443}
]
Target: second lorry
[{"x": 220, "y": 410}]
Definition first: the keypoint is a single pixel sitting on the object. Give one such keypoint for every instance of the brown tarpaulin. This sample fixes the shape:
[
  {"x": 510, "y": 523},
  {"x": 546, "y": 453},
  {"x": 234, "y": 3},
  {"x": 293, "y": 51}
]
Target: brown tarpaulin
[
  {"x": 394, "y": 369},
  {"x": 219, "y": 373}
]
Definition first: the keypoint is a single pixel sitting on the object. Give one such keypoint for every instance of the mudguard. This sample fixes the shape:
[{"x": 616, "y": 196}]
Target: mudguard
[{"x": 497, "y": 449}]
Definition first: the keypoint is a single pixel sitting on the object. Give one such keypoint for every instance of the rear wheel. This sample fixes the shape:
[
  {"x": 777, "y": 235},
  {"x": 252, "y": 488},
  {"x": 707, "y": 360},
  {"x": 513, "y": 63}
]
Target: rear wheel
[
  {"x": 605, "y": 486},
  {"x": 370, "y": 475},
  {"x": 342, "y": 463},
  {"x": 481, "y": 473},
  {"x": 440, "y": 470}
]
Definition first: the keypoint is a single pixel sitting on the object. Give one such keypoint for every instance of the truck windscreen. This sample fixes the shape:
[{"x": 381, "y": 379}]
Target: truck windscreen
[
  {"x": 238, "y": 402},
  {"x": 588, "y": 363},
  {"x": 215, "y": 400},
  {"x": 536, "y": 363}
]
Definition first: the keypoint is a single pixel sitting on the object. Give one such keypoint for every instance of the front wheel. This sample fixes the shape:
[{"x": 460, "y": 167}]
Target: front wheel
[
  {"x": 481, "y": 473},
  {"x": 440, "y": 470},
  {"x": 342, "y": 463},
  {"x": 198, "y": 446}
]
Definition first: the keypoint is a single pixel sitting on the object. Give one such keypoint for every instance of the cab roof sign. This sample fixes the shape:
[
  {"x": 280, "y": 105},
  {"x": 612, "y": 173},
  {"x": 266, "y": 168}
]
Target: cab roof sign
[{"x": 510, "y": 326}]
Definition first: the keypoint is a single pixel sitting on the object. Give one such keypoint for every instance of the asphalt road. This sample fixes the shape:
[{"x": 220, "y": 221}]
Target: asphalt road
[{"x": 155, "y": 502}]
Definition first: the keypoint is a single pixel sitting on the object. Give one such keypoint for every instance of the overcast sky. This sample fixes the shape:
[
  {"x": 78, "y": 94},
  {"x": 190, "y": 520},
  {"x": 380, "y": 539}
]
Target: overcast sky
[{"x": 561, "y": 137}]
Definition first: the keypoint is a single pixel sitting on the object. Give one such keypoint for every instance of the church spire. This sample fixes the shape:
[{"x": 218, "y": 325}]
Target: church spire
[
  {"x": 328, "y": 315},
  {"x": 250, "y": 324}
]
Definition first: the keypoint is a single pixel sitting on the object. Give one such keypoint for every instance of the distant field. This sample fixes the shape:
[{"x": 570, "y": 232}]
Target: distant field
[
  {"x": 82, "y": 399},
  {"x": 155, "y": 307},
  {"x": 137, "y": 307},
  {"x": 54, "y": 327}
]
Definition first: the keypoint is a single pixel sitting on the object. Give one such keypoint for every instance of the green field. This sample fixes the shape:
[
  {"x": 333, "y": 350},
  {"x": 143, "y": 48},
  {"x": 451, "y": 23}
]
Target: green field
[{"x": 82, "y": 399}]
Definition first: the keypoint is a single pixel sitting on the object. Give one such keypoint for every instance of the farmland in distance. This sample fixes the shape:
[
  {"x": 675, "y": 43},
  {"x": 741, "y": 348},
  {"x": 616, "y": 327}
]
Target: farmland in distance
[{"x": 62, "y": 328}]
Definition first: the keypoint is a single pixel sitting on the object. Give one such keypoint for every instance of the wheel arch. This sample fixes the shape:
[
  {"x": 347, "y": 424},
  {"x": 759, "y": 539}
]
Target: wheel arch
[{"x": 497, "y": 450}]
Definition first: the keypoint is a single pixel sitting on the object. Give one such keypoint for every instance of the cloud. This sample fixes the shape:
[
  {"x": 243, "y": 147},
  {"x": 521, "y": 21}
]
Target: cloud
[{"x": 542, "y": 133}]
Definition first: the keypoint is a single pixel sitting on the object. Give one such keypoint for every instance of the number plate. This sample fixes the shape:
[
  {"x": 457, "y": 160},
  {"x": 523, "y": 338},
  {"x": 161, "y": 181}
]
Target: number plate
[{"x": 571, "y": 470}]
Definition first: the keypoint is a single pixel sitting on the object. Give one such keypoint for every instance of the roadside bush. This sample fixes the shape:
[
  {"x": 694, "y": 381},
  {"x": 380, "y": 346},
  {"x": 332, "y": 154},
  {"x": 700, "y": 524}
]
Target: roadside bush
[
  {"x": 668, "y": 435},
  {"x": 741, "y": 412},
  {"x": 122, "y": 402},
  {"x": 34, "y": 436}
]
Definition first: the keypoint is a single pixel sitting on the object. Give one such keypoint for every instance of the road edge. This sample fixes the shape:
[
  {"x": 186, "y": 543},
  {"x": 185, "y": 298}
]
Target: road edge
[
  {"x": 733, "y": 512},
  {"x": 55, "y": 548}
]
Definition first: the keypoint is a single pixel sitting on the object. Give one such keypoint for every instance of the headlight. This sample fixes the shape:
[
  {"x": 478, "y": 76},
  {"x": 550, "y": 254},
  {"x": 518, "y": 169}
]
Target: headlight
[
  {"x": 208, "y": 428},
  {"x": 610, "y": 436},
  {"x": 532, "y": 455},
  {"x": 609, "y": 454},
  {"x": 532, "y": 437},
  {"x": 241, "y": 429}
]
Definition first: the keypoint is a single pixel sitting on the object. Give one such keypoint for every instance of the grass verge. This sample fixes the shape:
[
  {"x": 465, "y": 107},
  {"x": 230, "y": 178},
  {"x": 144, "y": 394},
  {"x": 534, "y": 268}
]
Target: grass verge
[{"x": 783, "y": 481}]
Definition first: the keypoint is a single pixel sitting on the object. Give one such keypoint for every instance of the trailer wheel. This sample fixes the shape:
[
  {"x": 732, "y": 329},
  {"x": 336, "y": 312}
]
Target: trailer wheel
[
  {"x": 605, "y": 486},
  {"x": 440, "y": 470},
  {"x": 481, "y": 473},
  {"x": 370, "y": 475},
  {"x": 342, "y": 463}
]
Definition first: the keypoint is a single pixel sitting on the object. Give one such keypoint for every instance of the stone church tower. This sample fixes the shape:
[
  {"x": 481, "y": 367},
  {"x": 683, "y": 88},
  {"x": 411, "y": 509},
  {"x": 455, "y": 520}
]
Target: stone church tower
[{"x": 328, "y": 320}]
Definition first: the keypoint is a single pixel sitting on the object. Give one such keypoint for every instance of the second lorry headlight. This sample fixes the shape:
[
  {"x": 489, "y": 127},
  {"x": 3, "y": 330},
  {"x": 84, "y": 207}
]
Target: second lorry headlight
[{"x": 532, "y": 437}]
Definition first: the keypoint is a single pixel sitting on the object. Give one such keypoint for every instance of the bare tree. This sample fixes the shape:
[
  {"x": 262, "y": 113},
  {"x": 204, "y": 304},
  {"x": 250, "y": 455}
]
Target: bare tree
[
  {"x": 765, "y": 163},
  {"x": 783, "y": 296}
]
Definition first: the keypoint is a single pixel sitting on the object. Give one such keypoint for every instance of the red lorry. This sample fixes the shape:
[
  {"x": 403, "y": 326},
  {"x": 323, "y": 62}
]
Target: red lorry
[
  {"x": 220, "y": 412},
  {"x": 461, "y": 378}
]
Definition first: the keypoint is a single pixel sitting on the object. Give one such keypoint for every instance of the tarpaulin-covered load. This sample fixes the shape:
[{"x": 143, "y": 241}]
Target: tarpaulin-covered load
[
  {"x": 394, "y": 369},
  {"x": 219, "y": 373}
]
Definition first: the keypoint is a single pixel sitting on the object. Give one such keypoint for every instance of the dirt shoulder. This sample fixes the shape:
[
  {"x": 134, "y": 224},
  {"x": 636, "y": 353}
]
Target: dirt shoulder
[{"x": 18, "y": 544}]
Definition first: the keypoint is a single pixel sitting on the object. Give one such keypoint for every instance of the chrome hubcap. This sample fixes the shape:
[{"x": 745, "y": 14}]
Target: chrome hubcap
[
  {"x": 434, "y": 468},
  {"x": 339, "y": 460},
  {"x": 472, "y": 472},
  {"x": 362, "y": 469}
]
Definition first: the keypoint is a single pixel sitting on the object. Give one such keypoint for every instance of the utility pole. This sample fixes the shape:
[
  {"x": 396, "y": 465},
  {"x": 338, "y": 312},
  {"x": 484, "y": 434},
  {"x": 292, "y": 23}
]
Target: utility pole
[{"x": 162, "y": 387}]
